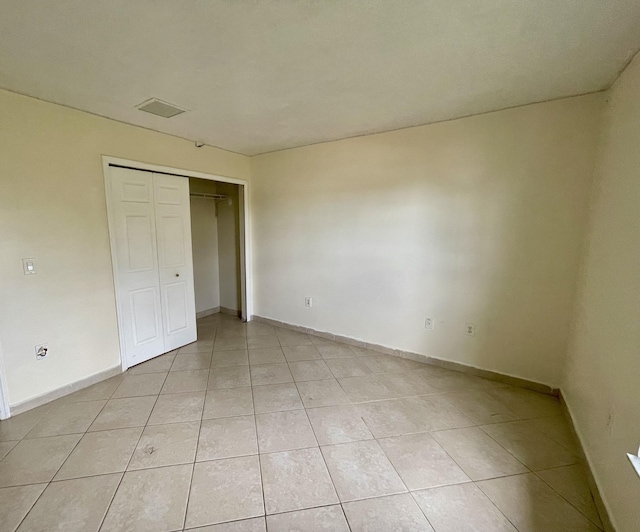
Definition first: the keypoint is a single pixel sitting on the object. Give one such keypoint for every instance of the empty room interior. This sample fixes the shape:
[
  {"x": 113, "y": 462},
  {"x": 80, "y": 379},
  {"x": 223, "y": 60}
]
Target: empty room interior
[{"x": 319, "y": 266}]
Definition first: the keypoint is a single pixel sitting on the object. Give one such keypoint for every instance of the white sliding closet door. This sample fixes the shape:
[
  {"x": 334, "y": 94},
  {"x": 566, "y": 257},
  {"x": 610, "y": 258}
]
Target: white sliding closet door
[
  {"x": 149, "y": 221},
  {"x": 173, "y": 229}
]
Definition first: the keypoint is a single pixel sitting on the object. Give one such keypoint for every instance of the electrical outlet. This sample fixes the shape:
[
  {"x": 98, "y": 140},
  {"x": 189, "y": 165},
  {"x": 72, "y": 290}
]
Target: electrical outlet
[
  {"x": 429, "y": 323},
  {"x": 308, "y": 302},
  {"x": 470, "y": 329},
  {"x": 42, "y": 351}
]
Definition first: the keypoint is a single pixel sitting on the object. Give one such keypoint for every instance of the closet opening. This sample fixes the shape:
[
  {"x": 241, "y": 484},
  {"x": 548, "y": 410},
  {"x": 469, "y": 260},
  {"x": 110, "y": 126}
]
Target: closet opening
[{"x": 217, "y": 238}]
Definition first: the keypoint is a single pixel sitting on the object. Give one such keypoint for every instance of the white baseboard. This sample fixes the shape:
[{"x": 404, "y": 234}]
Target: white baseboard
[
  {"x": 23, "y": 406},
  {"x": 208, "y": 312}
]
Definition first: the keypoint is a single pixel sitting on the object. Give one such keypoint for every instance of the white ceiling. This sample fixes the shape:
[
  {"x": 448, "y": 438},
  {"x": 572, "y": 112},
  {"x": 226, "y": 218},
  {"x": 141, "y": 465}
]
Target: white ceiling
[{"x": 259, "y": 76}]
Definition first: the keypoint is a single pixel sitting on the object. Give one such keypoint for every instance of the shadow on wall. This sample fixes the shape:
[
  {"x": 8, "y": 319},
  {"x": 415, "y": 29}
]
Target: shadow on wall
[{"x": 477, "y": 221}]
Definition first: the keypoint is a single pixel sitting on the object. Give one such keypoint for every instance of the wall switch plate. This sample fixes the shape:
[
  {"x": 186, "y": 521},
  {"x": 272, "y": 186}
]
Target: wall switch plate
[
  {"x": 470, "y": 329},
  {"x": 308, "y": 302},
  {"x": 42, "y": 350},
  {"x": 429, "y": 323},
  {"x": 29, "y": 266}
]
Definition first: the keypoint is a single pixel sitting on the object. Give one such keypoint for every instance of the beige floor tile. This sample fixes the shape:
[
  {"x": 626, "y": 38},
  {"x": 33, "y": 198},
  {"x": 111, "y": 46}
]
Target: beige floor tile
[
  {"x": 284, "y": 431},
  {"x": 338, "y": 424},
  {"x": 177, "y": 407},
  {"x": 225, "y": 490},
  {"x": 310, "y": 370},
  {"x": 230, "y": 343},
  {"x": 150, "y": 500},
  {"x": 16, "y": 502},
  {"x": 268, "y": 355},
  {"x": 259, "y": 329},
  {"x": 479, "y": 456},
  {"x": 335, "y": 350},
  {"x": 329, "y": 518},
  {"x": 558, "y": 429},
  {"x": 201, "y": 346},
  {"x": 290, "y": 338},
  {"x": 390, "y": 418},
  {"x": 361, "y": 470},
  {"x": 526, "y": 403},
  {"x": 139, "y": 385},
  {"x": 434, "y": 412},
  {"x": 295, "y": 480},
  {"x": 320, "y": 340},
  {"x": 322, "y": 393},
  {"x": 384, "y": 364},
  {"x": 444, "y": 380},
  {"x": 405, "y": 384},
  {"x": 227, "y": 438},
  {"x": 461, "y": 508},
  {"x": 276, "y": 398},
  {"x": 100, "y": 453},
  {"x": 225, "y": 359},
  {"x": 161, "y": 364},
  {"x": 228, "y": 402},
  {"x": 532, "y": 506},
  {"x": 37, "y": 460},
  {"x": 230, "y": 377},
  {"x": 363, "y": 351},
  {"x": 191, "y": 361},
  {"x": 262, "y": 342},
  {"x": 369, "y": 388},
  {"x": 17, "y": 427},
  {"x": 270, "y": 374},
  {"x": 163, "y": 445},
  {"x": 257, "y": 524},
  {"x": 68, "y": 418},
  {"x": 72, "y": 505},
  {"x": 348, "y": 367},
  {"x": 231, "y": 332},
  {"x": 124, "y": 413},
  {"x": 297, "y": 353},
  {"x": 571, "y": 483},
  {"x": 5, "y": 447},
  {"x": 481, "y": 407},
  {"x": 532, "y": 447},
  {"x": 394, "y": 512},
  {"x": 186, "y": 381},
  {"x": 97, "y": 392},
  {"x": 421, "y": 462}
]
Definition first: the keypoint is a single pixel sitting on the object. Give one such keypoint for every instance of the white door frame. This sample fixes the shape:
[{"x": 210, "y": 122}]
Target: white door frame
[
  {"x": 5, "y": 410},
  {"x": 107, "y": 161}
]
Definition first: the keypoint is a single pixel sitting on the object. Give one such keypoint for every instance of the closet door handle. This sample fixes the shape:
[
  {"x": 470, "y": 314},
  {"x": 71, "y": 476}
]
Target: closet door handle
[{"x": 177, "y": 275}]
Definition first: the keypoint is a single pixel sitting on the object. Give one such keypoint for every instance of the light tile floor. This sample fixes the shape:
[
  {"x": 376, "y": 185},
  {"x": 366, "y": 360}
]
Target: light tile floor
[{"x": 255, "y": 427}]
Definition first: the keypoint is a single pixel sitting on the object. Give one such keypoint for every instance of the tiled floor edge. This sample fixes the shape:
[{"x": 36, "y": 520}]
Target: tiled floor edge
[
  {"x": 40, "y": 400},
  {"x": 601, "y": 505},
  {"x": 447, "y": 364},
  {"x": 230, "y": 311},
  {"x": 208, "y": 312}
]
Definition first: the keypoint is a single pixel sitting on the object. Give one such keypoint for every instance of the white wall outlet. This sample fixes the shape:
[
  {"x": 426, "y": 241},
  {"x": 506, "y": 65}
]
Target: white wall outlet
[
  {"x": 470, "y": 329},
  {"x": 429, "y": 323},
  {"x": 29, "y": 266},
  {"x": 42, "y": 351},
  {"x": 308, "y": 302}
]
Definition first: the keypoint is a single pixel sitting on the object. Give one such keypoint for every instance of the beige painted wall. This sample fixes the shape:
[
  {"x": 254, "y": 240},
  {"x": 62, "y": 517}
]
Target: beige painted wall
[
  {"x": 603, "y": 370},
  {"x": 52, "y": 207},
  {"x": 474, "y": 220},
  {"x": 204, "y": 239}
]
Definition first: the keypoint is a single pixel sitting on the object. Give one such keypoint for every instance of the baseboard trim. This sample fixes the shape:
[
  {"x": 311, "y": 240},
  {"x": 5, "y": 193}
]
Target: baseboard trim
[
  {"x": 208, "y": 312},
  {"x": 231, "y": 311},
  {"x": 40, "y": 400},
  {"x": 601, "y": 505},
  {"x": 447, "y": 364}
]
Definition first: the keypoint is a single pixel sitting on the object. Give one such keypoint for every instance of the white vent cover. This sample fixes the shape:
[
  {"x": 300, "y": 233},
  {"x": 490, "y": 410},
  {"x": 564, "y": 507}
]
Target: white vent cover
[{"x": 160, "y": 108}]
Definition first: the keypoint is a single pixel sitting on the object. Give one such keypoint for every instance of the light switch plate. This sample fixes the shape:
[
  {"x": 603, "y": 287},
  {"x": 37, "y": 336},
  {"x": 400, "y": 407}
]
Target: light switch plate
[{"x": 29, "y": 266}]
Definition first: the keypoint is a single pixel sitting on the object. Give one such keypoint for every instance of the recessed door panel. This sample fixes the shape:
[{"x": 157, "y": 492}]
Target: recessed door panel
[
  {"x": 168, "y": 194},
  {"x": 137, "y": 191},
  {"x": 176, "y": 307},
  {"x": 145, "y": 314},
  {"x": 140, "y": 242},
  {"x": 171, "y": 241}
]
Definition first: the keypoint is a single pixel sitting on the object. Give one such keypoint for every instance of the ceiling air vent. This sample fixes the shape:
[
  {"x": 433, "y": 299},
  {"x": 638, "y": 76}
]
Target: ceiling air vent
[{"x": 160, "y": 108}]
